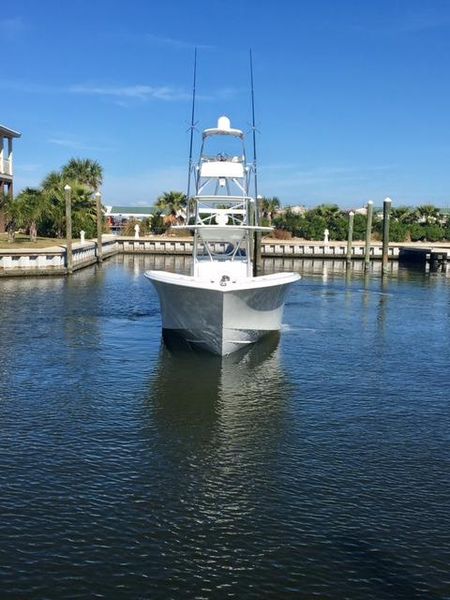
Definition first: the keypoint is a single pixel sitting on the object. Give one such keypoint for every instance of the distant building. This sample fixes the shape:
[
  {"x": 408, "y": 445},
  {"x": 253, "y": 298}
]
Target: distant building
[
  {"x": 6, "y": 166},
  {"x": 118, "y": 216},
  {"x": 296, "y": 210},
  {"x": 361, "y": 211}
]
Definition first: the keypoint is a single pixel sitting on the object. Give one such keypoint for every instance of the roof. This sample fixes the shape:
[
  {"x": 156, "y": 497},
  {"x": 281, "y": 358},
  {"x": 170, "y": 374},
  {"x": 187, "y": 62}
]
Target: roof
[
  {"x": 223, "y": 128},
  {"x": 6, "y": 132},
  {"x": 130, "y": 210}
]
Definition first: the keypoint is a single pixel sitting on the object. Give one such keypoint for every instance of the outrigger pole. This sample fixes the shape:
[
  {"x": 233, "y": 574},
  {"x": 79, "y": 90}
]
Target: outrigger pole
[
  {"x": 191, "y": 138},
  {"x": 256, "y": 235},
  {"x": 253, "y": 126}
]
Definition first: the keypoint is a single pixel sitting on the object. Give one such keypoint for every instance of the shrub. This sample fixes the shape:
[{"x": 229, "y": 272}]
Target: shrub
[
  {"x": 129, "y": 227},
  {"x": 399, "y": 232},
  {"x": 434, "y": 232},
  {"x": 157, "y": 224},
  {"x": 281, "y": 234},
  {"x": 359, "y": 227},
  {"x": 313, "y": 228},
  {"x": 83, "y": 222},
  {"x": 185, "y": 232}
]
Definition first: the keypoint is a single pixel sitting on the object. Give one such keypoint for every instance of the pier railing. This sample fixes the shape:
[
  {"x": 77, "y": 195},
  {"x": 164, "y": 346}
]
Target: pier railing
[
  {"x": 52, "y": 261},
  {"x": 269, "y": 247}
]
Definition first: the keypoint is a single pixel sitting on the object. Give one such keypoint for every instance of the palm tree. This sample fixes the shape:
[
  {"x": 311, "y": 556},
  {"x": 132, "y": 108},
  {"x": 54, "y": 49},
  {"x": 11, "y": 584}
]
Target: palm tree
[
  {"x": 172, "y": 203},
  {"x": 403, "y": 214},
  {"x": 31, "y": 208},
  {"x": 269, "y": 207},
  {"x": 84, "y": 170},
  {"x": 327, "y": 216},
  {"x": 428, "y": 213},
  {"x": 328, "y": 211},
  {"x": 11, "y": 211},
  {"x": 83, "y": 203},
  {"x": 53, "y": 190}
]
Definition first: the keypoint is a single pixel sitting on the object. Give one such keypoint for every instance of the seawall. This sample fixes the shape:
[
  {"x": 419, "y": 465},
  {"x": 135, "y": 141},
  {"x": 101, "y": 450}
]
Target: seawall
[{"x": 52, "y": 260}]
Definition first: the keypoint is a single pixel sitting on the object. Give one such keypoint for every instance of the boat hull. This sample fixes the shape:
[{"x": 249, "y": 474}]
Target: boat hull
[{"x": 219, "y": 319}]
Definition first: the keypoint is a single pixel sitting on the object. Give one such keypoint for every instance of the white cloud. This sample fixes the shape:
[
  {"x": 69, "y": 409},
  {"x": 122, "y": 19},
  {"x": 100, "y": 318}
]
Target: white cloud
[
  {"x": 157, "y": 40},
  {"x": 137, "y": 92},
  {"x": 125, "y": 92},
  {"x": 123, "y": 95},
  {"x": 76, "y": 144},
  {"x": 174, "y": 43}
]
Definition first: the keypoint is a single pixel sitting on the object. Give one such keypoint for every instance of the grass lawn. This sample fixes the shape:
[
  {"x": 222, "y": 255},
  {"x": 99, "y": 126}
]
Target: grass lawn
[{"x": 23, "y": 241}]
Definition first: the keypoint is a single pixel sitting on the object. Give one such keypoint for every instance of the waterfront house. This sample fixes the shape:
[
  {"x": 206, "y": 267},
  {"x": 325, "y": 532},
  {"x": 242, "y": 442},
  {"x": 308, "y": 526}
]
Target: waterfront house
[
  {"x": 6, "y": 166},
  {"x": 118, "y": 216},
  {"x": 295, "y": 210}
]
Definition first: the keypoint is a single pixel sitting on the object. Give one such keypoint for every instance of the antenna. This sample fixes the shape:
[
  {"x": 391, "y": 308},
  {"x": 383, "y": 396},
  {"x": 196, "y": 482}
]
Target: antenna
[
  {"x": 254, "y": 131},
  {"x": 256, "y": 236},
  {"x": 192, "y": 135}
]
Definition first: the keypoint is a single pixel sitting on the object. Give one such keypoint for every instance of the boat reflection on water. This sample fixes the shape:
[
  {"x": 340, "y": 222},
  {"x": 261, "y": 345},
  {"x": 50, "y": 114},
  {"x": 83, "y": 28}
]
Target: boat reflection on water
[
  {"x": 214, "y": 428},
  {"x": 200, "y": 396}
]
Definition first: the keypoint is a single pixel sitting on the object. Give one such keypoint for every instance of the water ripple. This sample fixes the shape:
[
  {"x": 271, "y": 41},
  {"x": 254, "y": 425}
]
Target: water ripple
[{"x": 315, "y": 466}]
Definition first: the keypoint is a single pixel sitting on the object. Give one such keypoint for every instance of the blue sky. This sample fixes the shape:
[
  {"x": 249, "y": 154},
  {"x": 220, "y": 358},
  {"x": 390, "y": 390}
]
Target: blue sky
[{"x": 352, "y": 97}]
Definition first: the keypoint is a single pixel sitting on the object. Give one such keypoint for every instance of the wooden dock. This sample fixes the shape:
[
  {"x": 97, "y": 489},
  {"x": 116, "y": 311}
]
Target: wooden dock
[
  {"x": 435, "y": 257},
  {"x": 269, "y": 248},
  {"x": 53, "y": 261}
]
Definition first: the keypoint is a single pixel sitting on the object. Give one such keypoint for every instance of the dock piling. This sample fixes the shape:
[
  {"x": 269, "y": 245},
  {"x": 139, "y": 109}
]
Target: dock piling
[
  {"x": 68, "y": 199},
  {"x": 351, "y": 217},
  {"x": 386, "y": 215},
  {"x": 98, "y": 203},
  {"x": 368, "y": 235}
]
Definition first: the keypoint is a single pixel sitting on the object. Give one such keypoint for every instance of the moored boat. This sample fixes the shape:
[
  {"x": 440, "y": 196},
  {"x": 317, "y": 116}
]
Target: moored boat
[{"x": 221, "y": 306}]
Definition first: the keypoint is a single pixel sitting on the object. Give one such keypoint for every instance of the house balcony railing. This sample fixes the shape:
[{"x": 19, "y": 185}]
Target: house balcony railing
[{"x": 5, "y": 167}]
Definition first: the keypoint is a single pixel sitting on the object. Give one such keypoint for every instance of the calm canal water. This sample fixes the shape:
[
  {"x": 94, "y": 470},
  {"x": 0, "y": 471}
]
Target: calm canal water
[{"x": 314, "y": 466}]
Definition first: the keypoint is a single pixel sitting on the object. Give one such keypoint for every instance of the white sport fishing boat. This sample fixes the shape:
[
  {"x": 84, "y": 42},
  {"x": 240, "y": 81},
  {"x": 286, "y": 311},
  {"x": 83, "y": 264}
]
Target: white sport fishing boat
[{"x": 221, "y": 306}]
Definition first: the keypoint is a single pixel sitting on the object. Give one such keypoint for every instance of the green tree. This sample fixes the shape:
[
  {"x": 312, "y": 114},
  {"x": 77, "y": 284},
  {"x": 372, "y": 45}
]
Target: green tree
[
  {"x": 85, "y": 171},
  {"x": 423, "y": 232},
  {"x": 327, "y": 211},
  {"x": 53, "y": 191},
  {"x": 130, "y": 225},
  {"x": 43, "y": 210},
  {"x": 403, "y": 214},
  {"x": 428, "y": 213},
  {"x": 359, "y": 227},
  {"x": 314, "y": 226},
  {"x": 157, "y": 224},
  {"x": 11, "y": 213},
  {"x": 289, "y": 221},
  {"x": 84, "y": 211},
  {"x": 32, "y": 207},
  {"x": 398, "y": 231},
  {"x": 332, "y": 218},
  {"x": 171, "y": 203},
  {"x": 269, "y": 208}
]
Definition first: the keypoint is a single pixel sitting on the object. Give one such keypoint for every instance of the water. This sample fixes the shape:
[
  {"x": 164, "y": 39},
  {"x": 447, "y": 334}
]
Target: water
[{"x": 314, "y": 466}]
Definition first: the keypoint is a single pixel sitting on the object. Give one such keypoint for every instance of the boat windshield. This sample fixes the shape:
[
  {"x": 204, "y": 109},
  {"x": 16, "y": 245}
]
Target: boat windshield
[
  {"x": 223, "y": 148},
  {"x": 223, "y": 250}
]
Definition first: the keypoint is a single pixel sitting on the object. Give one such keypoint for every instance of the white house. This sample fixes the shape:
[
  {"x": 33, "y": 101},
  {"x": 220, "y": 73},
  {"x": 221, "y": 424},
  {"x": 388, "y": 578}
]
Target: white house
[{"x": 6, "y": 165}]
